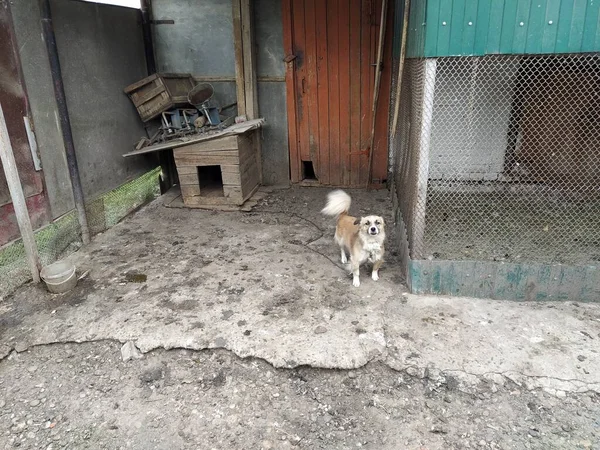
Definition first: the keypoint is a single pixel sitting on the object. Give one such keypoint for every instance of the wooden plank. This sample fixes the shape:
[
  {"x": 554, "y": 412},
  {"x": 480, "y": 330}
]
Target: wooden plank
[
  {"x": 333, "y": 91},
  {"x": 231, "y": 178},
  {"x": 379, "y": 169},
  {"x": 250, "y": 79},
  {"x": 311, "y": 91},
  {"x": 237, "y": 129},
  {"x": 188, "y": 179},
  {"x": 233, "y": 194},
  {"x": 141, "y": 99},
  {"x": 245, "y": 147},
  {"x": 250, "y": 186},
  {"x": 206, "y": 160},
  {"x": 198, "y": 201},
  {"x": 187, "y": 170},
  {"x": 189, "y": 190},
  {"x": 300, "y": 49},
  {"x": 322, "y": 91},
  {"x": 239, "y": 57},
  {"x": 344, "y": 86},
  {"x": 248, "y": 172},
  {"x": 135, "y": 86},
  {"x": 201, "y": 155},
  {"x": 249, "y": 58},
  {"x": 225, "y": 143},
  {"x": 367, "y": 75},
  {"x": 355, "y": 92},
  {"x": 17, "y": 196},
  {"x": 230, "y": 168},
  {"x": 290, "y": 86}
]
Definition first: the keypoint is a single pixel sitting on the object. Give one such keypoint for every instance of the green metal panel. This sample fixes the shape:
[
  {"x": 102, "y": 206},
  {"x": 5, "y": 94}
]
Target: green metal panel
[
  {"x": 505, "y": 281},
  {"x": 480, "y": 27},
  {"x": 415, "y": 39}
]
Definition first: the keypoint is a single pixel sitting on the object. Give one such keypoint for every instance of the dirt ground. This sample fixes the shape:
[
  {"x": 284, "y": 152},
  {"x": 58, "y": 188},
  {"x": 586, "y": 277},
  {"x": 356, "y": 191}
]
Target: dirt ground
[
  {"x": 246, "y": 333},
  {"x": 84, "y": 397}
]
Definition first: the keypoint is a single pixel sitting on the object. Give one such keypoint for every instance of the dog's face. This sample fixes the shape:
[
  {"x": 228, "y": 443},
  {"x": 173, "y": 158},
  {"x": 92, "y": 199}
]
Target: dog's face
[{"x": 371, "y": 225}]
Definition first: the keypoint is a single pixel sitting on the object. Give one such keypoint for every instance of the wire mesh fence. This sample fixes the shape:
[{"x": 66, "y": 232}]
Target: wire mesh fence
[
  {"x": 63, "y": 236},
  {"x": 498, "y": 158}
]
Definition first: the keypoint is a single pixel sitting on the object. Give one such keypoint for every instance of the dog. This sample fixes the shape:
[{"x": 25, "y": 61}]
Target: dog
[{"x": 362, "y": 238}]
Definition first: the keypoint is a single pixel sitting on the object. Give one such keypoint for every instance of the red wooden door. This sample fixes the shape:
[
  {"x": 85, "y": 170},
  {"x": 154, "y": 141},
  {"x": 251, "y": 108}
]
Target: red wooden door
[{"x": 331, "y": 47}]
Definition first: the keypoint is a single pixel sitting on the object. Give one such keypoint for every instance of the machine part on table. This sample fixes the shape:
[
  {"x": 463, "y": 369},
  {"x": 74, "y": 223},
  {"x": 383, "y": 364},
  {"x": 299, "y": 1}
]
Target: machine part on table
[
  {"x": 200, "y": 122},
  {"x": 201, "y": 96}
]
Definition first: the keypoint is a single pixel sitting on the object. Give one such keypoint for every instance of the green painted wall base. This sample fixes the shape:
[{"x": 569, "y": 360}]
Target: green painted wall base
[{"x": 504, "y": 281}]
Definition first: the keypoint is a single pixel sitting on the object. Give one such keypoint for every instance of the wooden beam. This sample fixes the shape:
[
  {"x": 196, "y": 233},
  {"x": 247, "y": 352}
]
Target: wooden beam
[
  {"x": 379, "y": 69},
  {"x": 239, "y": 57},
  {"x": 249, "y": 57},
  {"x": 290, "y": 86},
  {"x": 17, "y": 196},
  {"x": 245, "y": 62},
  {"x": 401, "y": 66}
]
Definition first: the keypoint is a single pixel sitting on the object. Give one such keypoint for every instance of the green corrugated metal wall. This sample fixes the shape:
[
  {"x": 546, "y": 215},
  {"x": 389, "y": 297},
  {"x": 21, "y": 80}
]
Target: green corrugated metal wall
[{"x": 483, "y": 27}]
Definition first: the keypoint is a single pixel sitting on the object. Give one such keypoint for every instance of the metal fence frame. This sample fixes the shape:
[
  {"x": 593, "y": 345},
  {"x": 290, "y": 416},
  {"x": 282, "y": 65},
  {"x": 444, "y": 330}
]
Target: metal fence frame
[{"x": 501, "y": 128}]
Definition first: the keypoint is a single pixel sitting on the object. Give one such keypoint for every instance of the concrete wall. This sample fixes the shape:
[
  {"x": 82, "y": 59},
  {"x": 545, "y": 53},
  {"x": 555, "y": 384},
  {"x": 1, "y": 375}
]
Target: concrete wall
[
  {"x": 101, "y": 51},
  {"x": 200, "y": 42},
  {"x": 36, "y": 72}
]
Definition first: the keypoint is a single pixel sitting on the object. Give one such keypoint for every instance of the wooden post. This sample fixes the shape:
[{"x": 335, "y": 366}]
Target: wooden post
[
  {"x": 245, "y": 68},
  {"x": 239, "y": 57},
  {"x": 18, "y": 199},
  {"x": 401, "y": 66},
  {"x": 379, "y": 68}
]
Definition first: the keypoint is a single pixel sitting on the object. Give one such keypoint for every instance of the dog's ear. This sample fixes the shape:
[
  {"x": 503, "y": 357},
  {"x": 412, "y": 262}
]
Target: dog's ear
[{"x": 357, "y": 221}]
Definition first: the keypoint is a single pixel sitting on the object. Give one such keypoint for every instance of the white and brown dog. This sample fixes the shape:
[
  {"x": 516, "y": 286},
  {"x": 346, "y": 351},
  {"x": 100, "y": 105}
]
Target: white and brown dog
[{"x": 362, "y": 238}]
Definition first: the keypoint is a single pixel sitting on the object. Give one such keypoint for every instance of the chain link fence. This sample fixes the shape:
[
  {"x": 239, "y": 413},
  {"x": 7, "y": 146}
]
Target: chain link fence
[
  {"x": 63, "y": 236},
  {"x": 498, "y": 158}
]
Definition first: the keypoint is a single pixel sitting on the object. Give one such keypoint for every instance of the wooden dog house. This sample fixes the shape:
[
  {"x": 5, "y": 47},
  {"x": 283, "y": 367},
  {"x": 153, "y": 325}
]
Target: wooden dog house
[{"x": 222, "y": 171}]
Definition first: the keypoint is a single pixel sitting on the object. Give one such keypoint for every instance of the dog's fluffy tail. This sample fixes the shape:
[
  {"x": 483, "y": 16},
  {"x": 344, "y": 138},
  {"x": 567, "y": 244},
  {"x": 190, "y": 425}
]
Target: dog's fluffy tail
[{"x": 338, "y": 202}]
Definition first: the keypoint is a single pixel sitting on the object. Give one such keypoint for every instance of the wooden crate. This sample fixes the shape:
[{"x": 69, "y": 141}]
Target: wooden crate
[
  {"x": 160, "y": 92},
  {"x": 237, "y": 160}
]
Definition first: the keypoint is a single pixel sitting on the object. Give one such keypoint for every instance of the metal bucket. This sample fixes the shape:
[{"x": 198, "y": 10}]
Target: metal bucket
[{"x": 201, "y": 96}]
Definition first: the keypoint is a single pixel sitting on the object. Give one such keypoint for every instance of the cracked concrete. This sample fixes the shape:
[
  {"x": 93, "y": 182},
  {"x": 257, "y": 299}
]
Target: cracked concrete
[{"x": 266, "y": 284}]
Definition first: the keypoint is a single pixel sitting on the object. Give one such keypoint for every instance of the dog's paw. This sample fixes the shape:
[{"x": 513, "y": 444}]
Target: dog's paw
[
  {"x": 375, "y": 276},
  {"x": 355, "y": 282},
  {"x": 344, "y": 260}
]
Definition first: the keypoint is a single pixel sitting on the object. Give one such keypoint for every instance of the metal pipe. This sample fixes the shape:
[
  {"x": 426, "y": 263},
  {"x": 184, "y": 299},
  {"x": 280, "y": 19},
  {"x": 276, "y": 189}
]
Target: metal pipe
[
  {"x": 63, "y": 113},
  {"x": 147, "y": 33}
]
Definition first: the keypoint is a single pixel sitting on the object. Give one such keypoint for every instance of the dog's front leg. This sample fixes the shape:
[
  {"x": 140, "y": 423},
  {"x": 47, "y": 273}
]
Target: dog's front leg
[
  {"x": 343, "y": 255},
  {"x": 376, "y": 266},
  {"x": 355, "y": 265}
]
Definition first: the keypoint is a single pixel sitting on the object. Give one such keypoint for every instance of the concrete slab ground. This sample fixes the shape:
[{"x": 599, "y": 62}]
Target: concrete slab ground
[{"x": 267, "y": 284}]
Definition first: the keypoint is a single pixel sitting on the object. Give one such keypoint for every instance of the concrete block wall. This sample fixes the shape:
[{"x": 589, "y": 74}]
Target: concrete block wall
[
  {"x": 200, "y": 42},
  {"x": 101, "y": 51}
]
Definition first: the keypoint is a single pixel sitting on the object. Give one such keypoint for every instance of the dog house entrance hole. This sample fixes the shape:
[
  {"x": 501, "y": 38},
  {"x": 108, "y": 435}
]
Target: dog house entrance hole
[
  {"x": 211, "y": 181},
  {"x": 308, "y": 171}
]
